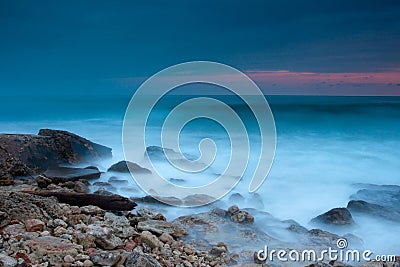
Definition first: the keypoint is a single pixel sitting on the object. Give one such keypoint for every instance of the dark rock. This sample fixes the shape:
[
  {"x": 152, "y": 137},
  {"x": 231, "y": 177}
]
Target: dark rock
[
  {"x": 26, "y": 154},
  {"x": 126, "y": 166},
  {"x": 363, "y": 207},
  {"x": 337, "y": 216},
  {"x": 103, "y": 192},
  {"x": 137, "y": 259},
  {"x": 64, "y": 174},
  {"x": 116, "y": 180},
  {"x": 113, "y": 202},
  {"x": 158, "y": 200}
]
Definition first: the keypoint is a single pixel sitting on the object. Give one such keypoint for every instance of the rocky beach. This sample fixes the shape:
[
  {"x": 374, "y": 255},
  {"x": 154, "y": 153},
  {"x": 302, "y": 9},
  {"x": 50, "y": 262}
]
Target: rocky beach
[{"x": 54, "y": 212}]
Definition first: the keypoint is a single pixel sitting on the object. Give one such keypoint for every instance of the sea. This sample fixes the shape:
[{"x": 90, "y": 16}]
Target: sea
[{"x": 326, "y": 146}]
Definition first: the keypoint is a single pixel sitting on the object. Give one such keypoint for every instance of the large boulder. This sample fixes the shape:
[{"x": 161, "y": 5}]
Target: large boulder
[
  {"x": 336, "y": 216},
  {"x": 27, "y": 154},
  {"x": 369, "y": 209}
]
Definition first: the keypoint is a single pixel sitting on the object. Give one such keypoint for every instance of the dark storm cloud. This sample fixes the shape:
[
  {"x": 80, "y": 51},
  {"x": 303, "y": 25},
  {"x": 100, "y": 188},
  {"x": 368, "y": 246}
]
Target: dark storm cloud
[{"x": 83, "y": 46}]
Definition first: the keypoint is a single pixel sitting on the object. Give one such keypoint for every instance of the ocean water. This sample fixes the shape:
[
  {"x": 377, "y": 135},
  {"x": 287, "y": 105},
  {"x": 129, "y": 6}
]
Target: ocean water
[{"x": 325, "y": 145}]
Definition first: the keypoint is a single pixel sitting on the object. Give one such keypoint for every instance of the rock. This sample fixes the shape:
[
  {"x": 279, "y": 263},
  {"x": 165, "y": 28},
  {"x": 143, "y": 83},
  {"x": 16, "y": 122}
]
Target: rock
[
  {"x": 219, "y": 249},
  {"x": 137, "y": 259},
  {"x": 117, "y": 181},
  {"x": 239, "y": 216},
  {"x": 23, "y": 206},
  {"x": 26, "y": 154},
  {"x": 14, "y": 230},
  {"x": 80, "y": 187},
  {"x": 130, "y": 245},
  {"x": 166, "y": 238},
  {"x": 103, "y": 192},
  {"x": 159, "y": 227},
  {"x": 34, "y": 225},
  {"x": 65, "y": 174},
  {"x": 4, "y": 219},
  {"x": 256, "y": 201},
  {"x": 113, "y": 202},
  {"x": 159, "y": 200},
  {"x": 337, "y": 216},
  {"x": 88, "y": 263},
  {"x": 92, "y": 210},
  {"x": 105, "y": 258},
  {"x": 126, "y": 166},
  {"x": 69, "y": 259},
  {"x": 104, "y": 236},
  {"x": 43, "y": 182},
  {"x": 120, "y": 225},
  {"x": 53, "y": 248},
  {"x": 7, "y": 261},
  {"x": 151, "y": 240},
  {"x": 197, "y": 200},
  {"x": 363, "y": 207}
]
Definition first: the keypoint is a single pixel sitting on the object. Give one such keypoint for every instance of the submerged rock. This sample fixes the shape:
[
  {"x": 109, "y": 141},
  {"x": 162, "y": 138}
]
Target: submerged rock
[
  {"x": 336, "y": 216},
  {"x": 126, "y": 166},
  {"x": 363, "y": 207}
]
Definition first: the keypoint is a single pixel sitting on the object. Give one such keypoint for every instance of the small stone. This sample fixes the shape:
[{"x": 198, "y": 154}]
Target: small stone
[
  {"x": 150, "y": 239},
  {"x": 87, "y": 263},
  {"x": 166, "y": 238},
  {"x": 69, "y": 259},
  {"x": 34, "y": 225},
  {"x": 45, "y": 233},
  {"x": 130, "y": 245},
  {"x": 7, "y": 261}
]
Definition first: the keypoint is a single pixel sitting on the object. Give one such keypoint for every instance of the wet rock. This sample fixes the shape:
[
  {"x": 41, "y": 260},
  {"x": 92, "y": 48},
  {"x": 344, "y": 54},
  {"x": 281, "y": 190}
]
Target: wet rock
[
  {"x": 117, "y": 181},
  {"x": 363, "y": 207},
  {"x": 104, "y": 236},
  {"x": 7, "y": 261},
  {"x": 150, "y": 239},
  {"x": 159, "y": 227},
  {"x": 219, "y": 249},
  {"x": 158, "y": 200},
  {"x": 103, "y": 192},
  {"x": 34, "y": 225},
  {"x": 197, "y": 200},
  {"x": 105, "y": 258},
  {"x": 240, "y": 216},
  {"x": 126, "y": 166},
  {"x": 337, "y": 216},
  {"x": 65, "y": 174},
  {"x": 137, "y": 259},
  {"x": 54, "y": 249}
]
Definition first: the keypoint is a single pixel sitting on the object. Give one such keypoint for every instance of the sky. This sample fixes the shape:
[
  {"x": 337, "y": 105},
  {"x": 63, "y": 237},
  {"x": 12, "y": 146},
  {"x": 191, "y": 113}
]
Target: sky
[{"x": 287, "y": 47}]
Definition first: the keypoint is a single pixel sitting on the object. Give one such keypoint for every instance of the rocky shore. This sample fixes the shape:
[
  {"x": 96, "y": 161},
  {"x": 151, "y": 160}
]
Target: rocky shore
[{"x": 49, "y": 217}]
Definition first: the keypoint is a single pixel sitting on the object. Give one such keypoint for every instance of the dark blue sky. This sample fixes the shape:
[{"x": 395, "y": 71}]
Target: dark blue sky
[{"x": 51, "y": 47}]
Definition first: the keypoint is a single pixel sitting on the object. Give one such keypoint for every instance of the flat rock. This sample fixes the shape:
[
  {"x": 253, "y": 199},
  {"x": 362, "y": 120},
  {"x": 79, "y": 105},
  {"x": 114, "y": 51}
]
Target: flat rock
[
  {"x": 64, "y": 174},
  {"x": 159, "y": 227}
]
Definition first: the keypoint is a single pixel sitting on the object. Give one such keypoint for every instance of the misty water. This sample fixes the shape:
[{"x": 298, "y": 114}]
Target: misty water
[{"x": 326, "y": 147}]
